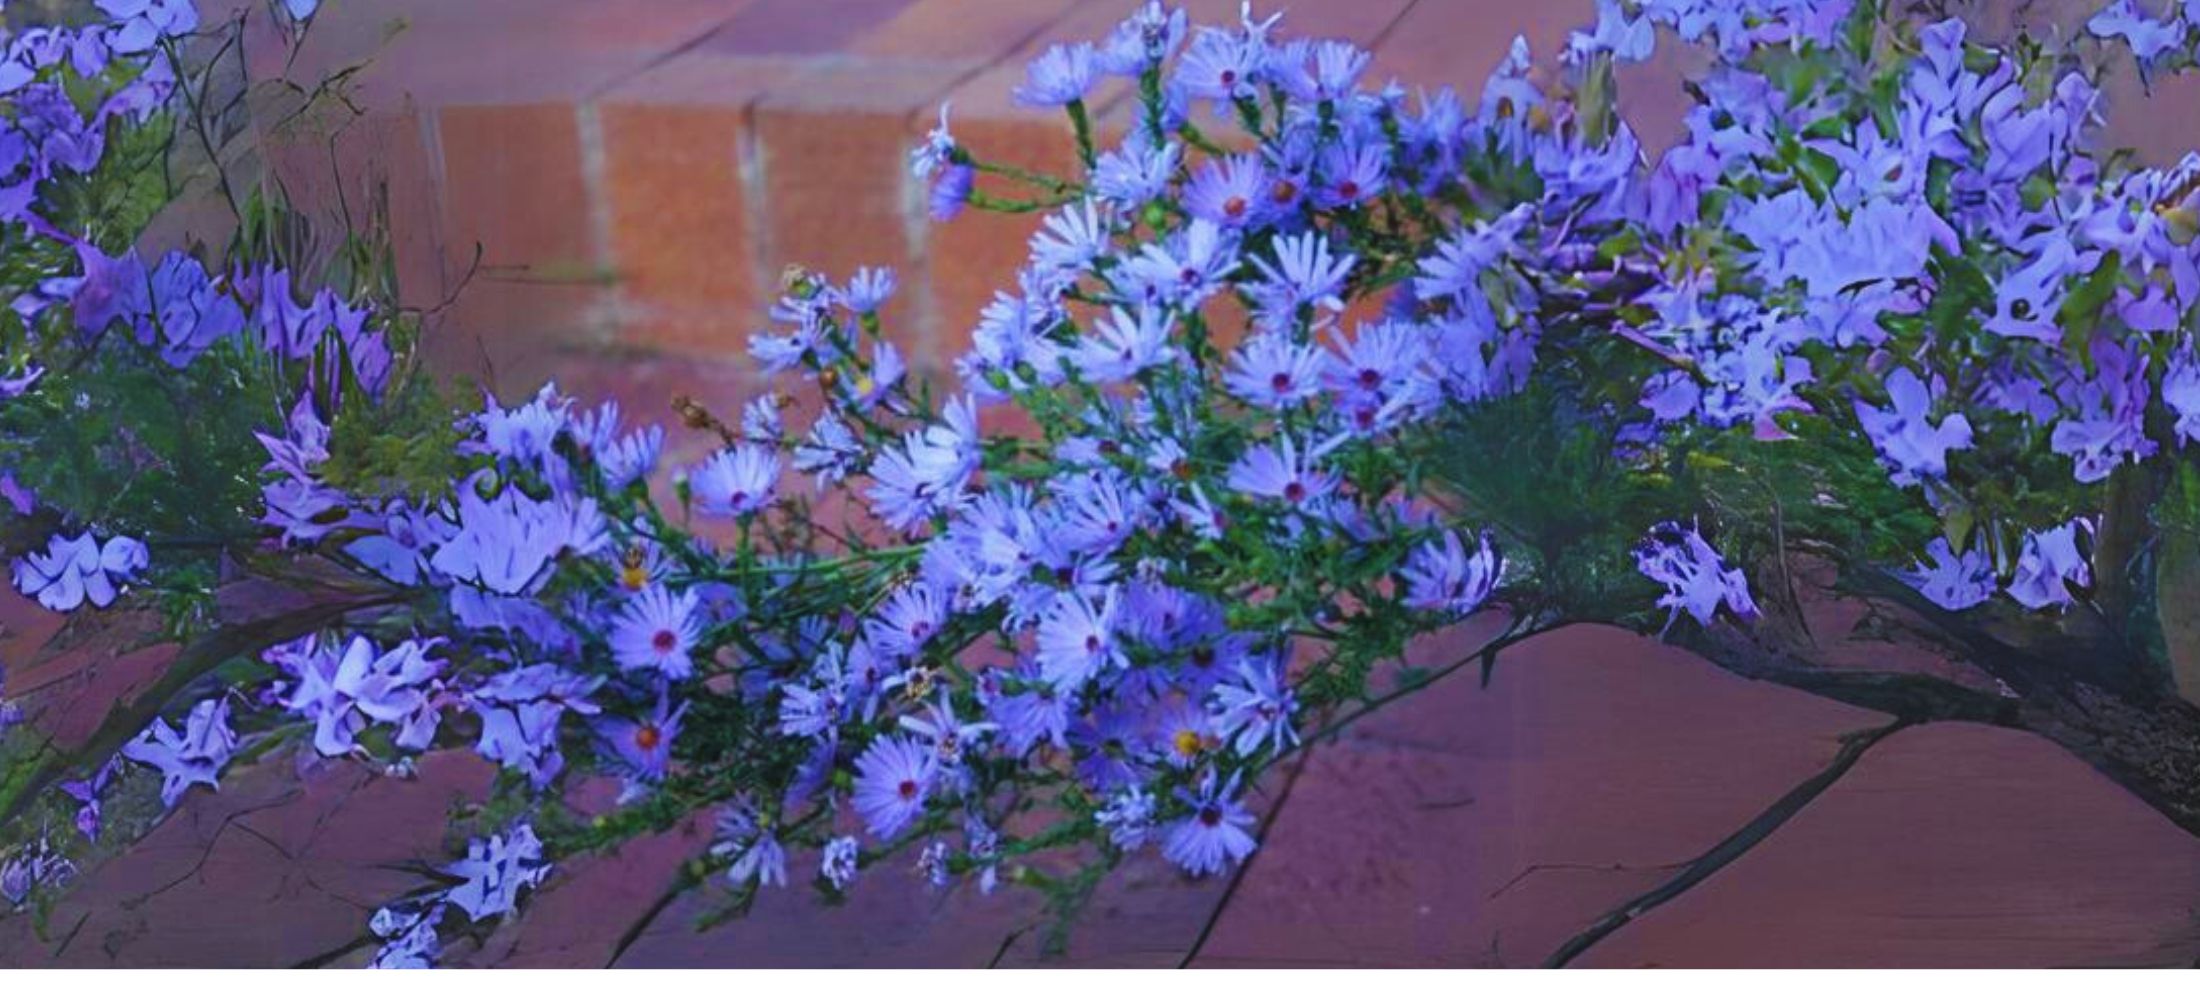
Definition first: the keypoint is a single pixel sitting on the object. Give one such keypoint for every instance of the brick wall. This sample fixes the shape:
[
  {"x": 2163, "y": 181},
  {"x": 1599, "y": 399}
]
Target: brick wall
[{"x": 635, "y": 175}]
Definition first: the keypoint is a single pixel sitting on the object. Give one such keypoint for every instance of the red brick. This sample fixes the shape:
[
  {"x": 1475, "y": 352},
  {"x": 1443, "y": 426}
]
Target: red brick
[
  {"x": 681, "y": 229},
  {"x": 516, "y": 190},
  {"x": 834, "y": 145}
]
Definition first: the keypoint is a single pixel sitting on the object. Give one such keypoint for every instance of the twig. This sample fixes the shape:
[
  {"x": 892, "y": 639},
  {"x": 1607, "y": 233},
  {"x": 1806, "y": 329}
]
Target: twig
[{"x": 1726, "y": 851}]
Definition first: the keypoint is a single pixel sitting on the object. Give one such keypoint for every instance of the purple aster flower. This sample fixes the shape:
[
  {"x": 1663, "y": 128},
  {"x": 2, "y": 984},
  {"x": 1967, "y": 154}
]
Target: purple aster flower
[
  {"x": 893, "y": 777},
  {"x": 950, "y": 737},
  {"x": 1442, "y": 576},
  {"x": 1254, "y": 709},
  {"x": 1696, "y": 578},
  {"x": 1136, "y": 173},
  {"x": 2148, "y": 38},
  {"x": 656, "y": 631},
  {"x": 139, "y": 25},
  {"x": 520, "y": 710},
  {"x": 1213, "y": 837},
  {"x": 1230, "y": 192},
  {"x": 755, "y": 849},
  {"x": 830, "y": 452},
  {"x": 1142, "y": 40},
  {"x": 391, "y": 687},
  {"x": 1273, "y": 372},
  {"x": 193, "y": 756},
  {"x": 73, "y": 570},
  {"x": 643, "y": 746},
  {"x": 907, "y": 619},
  {"x": 1627, "y": 39},
  {"x": 408, "y": 933},
  {"x": 952, "y": 191},
  {"x": 1122, "y": 345},
  {"x": 112, "y": 289},
  {"x": 1904, "y": 434},
  {"x": 937, "y": 150},
  {"x": 632, "y": 458},
  {"x": 1455, "y": 270},
  {"x": 1219, "y": 66},
  {"x": 1304, "y": 273},
  {"x": 89, "y": 794},
  {"x": 2048, "y": 563},
  {"x": 837, "y": 863},
  {"x": 508, "y": 545},
  {"x": 1279, "y": 472},
  {"x": 928, "y": 475},
  {"x": 868, "y": 290},
  {"x": 2105, "y": 422},
  {"x": 494, "y": 872},
  {"x": 1184, "y": 270},
  {"x": 2028, "y": 297},
  {"x": 1077, "y": 638},
  {"x": 1030, "y": 716},
  {"x": 1071, "y": 239},
  {"x": 1128, "y": 816},
  {"x": 1951, "y": 581},
  {"x": 189, "y": 314},
  {"x": 737, "y": 482},
  {"x": 399, "y": 551},
  {"x": 1352, "y": 174},
  {"x": 1060, "y": 75}
]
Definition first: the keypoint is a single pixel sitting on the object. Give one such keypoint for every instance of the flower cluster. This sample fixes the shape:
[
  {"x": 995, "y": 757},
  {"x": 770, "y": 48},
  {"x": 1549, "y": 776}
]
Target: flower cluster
[{"x": 1168, "y": 517}]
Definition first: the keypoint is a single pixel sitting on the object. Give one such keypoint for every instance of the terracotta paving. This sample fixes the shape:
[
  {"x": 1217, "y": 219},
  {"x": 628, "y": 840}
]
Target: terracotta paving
[{"x": 635, "y": 175}]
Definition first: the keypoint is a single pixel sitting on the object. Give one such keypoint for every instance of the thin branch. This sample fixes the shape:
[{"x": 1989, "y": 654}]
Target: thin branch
[{"x": 1727, "y": 851}]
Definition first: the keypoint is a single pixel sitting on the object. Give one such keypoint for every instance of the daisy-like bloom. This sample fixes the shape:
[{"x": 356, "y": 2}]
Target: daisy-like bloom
[
  {"x": 1457, "y": 266},
  {"x": 1351, "y": 174},
  {"x": 1143, "y": 39},
  {"x": 1071, "y": 239},
  {"x": 1255, "y": 709},
  {"x": 893, "y": 777},
  {"x": 632, "y": 458},
  {"x": 908, "y": 619},
  {"x": 1077, "y": 639},
  {"x": 1219, "y": 66},
  {"x": 868, "y": 290},
  {"x": 829, "y": 453},
  {"x": 755, "y": 849},
  {"x": 73, "y": 570},
  {"x": 1303, "y": 273},
  {"x": 1121, "y": 345},
  {"x": 1136, "y": 173},
  {"x": 1060, "y": 75},
  {"x": 1229, "y": 192},
  {"x": 1697, "y": 579},
  {"x": 949, "y": 736},
  {"x": 1270, "y": 371},
  {"x": 643, "y": 747},
  {"x": 736, "y": 482},
  {"x": 656, "y": 631},
  {"x": 1186, "y": 269},
  {"x": 1442, "y": 576},
  {"x": 1213, "y": 837},
  {"x": 1279, "y": 472},
  {"x": 507, "y": 545}
]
